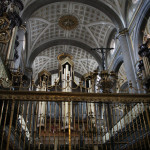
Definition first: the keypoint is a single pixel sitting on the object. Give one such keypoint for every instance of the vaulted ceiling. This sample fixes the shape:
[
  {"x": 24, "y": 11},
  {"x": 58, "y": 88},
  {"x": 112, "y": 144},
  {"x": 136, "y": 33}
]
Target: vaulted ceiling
[
  {"x": 47, "y": 39},
  {"x": 47, "y": 59}
]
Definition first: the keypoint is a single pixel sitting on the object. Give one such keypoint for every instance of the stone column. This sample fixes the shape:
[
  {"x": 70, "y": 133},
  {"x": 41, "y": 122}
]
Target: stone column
[
  {"x": 21, "y": 33},
  {"x": 10, "y": 50},
  {"x": 128, "y": 57}
]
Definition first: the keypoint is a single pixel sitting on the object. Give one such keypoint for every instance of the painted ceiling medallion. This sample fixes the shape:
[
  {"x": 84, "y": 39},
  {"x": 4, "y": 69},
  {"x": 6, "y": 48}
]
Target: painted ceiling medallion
[{"x": 68, "y": 22}]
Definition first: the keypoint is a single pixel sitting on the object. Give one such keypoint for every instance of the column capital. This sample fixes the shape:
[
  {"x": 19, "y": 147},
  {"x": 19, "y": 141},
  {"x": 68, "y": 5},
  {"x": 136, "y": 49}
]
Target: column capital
[
  {"x": 29, "y": 70},
  {"x": 23, "y": 27},
  {"x": 123, "y": 31}
]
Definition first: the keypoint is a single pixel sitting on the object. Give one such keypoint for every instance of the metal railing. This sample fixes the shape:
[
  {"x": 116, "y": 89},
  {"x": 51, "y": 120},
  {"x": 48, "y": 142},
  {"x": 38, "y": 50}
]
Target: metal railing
[{"x": 61, "y": 120}]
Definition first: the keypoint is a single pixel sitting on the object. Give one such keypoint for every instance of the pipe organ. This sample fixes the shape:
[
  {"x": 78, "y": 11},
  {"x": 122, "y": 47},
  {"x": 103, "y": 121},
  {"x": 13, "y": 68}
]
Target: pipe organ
[
  {"x": 66, "y": 70},
  {"x": 89, "y": 84},
  {"x": 44, "y": 77}
]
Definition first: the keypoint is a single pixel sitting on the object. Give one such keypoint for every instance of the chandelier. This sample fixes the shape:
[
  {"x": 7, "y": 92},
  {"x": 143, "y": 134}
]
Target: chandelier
[{"x": 107, "y": 81}]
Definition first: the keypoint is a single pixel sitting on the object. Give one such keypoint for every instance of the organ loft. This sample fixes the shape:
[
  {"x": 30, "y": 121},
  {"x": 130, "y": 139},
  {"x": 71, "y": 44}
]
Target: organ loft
[{"x": 56, "y": 119}]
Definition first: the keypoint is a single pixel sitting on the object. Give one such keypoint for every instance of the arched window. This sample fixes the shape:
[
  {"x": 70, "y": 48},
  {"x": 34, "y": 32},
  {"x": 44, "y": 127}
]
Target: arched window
[
  {"x": 112, "y": 45},
  {"x": 24, "y": 43}
]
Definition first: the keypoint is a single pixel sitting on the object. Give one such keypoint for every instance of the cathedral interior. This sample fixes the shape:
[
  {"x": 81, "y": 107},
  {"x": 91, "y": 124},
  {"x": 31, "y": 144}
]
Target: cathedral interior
[{"x": 75, "y": 74}]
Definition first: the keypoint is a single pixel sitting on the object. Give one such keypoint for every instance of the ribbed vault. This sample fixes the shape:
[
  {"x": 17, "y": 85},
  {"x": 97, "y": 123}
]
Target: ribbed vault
[
  {"x": 110, "y": 7},
  {"x": 96, "y": 21}
]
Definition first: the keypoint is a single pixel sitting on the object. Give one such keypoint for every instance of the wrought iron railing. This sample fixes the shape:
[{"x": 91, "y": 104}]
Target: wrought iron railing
[{"x": 53, "y": 120}]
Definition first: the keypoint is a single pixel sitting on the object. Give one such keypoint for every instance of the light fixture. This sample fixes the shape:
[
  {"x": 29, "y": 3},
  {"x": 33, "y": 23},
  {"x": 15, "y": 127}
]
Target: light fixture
[{"x": 107, "y": 80}]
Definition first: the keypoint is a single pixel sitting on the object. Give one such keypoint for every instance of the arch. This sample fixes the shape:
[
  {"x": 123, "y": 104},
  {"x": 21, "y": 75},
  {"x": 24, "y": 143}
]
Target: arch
[
  {"x": 63, "y": 42},
  {"x": 141, "y": 24},
  {"x": 118, "y": 62},
  {"x": 94, "y": 3},
  {"x": 111, "y": 36}
]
